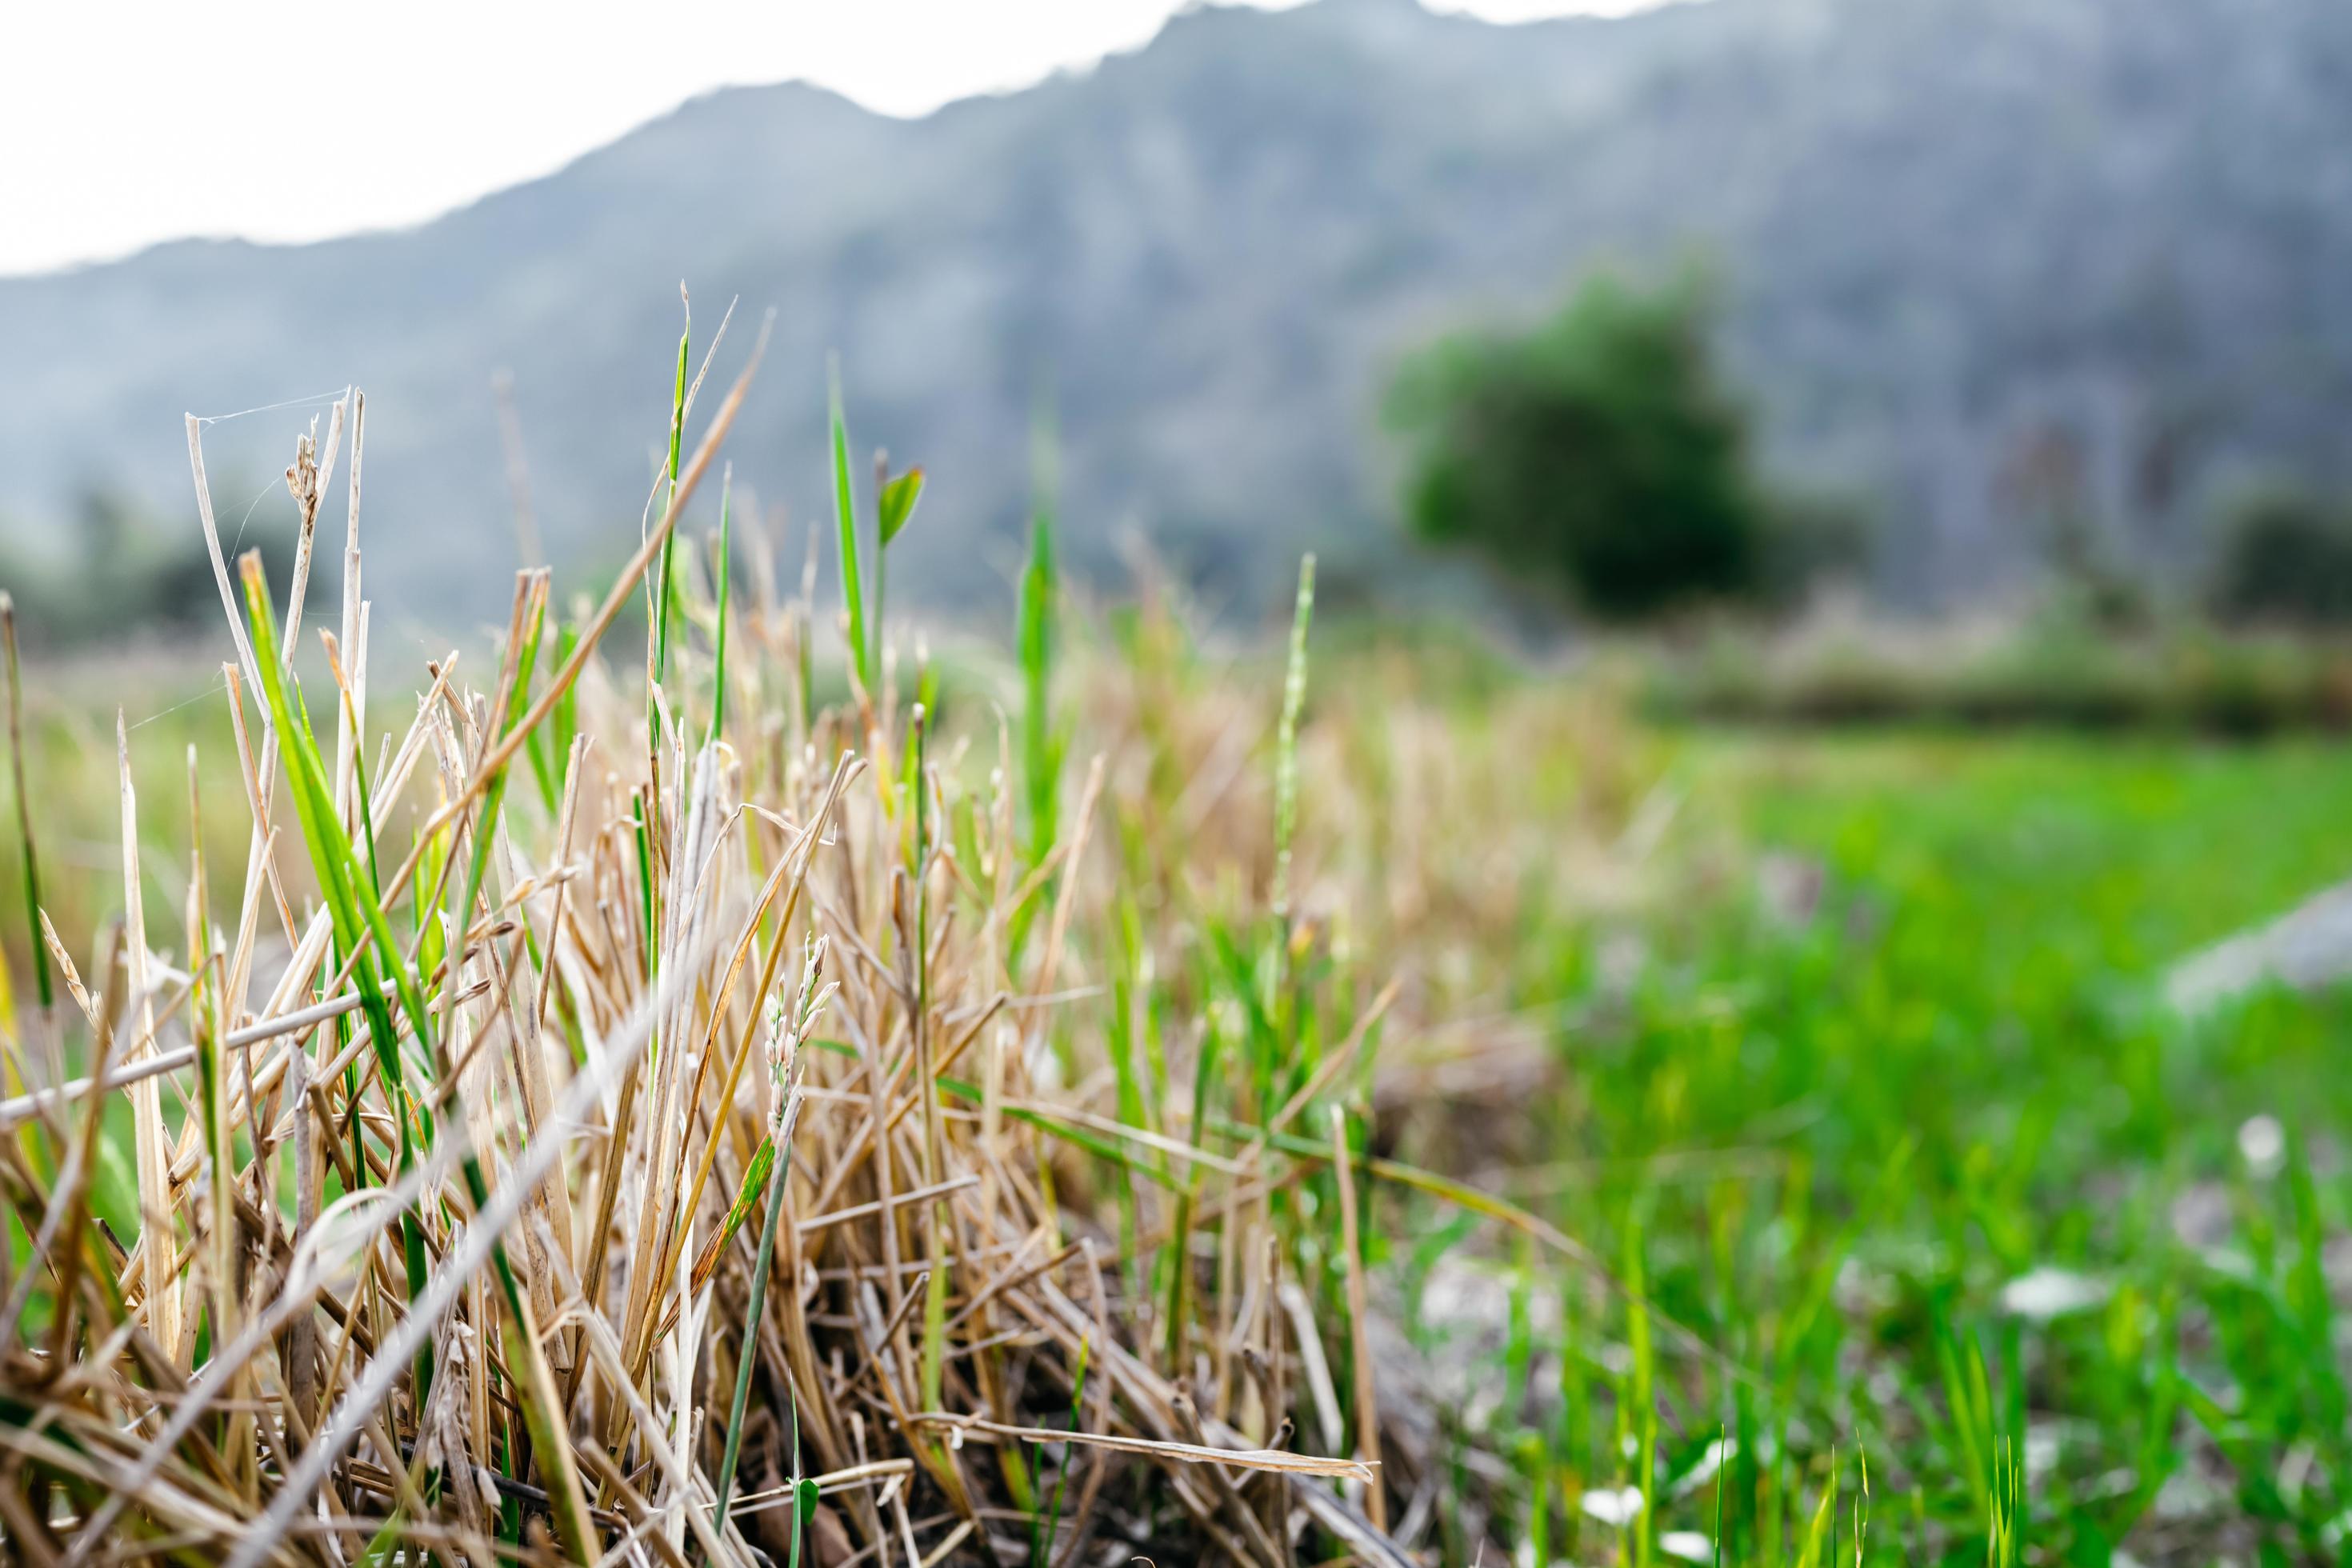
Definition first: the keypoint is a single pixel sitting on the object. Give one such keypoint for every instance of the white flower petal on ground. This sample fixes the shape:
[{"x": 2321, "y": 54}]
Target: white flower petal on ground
[
  {"x": 2041, "y": 1294},
  {"x": 1616, "y": 1508},
  {"x": 2264, "y": 1143},
  {"x": 1688, "y": 1546}
]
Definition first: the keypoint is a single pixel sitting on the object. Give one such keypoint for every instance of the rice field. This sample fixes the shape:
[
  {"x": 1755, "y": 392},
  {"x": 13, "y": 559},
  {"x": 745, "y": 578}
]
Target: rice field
[{"x": 783, "y": 1093}]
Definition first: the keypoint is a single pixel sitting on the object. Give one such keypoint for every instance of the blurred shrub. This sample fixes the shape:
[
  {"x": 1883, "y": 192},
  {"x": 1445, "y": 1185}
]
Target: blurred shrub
[
  {"x": 2182, "y": 678},
  {"x": 120, "y": 574},
  {"x": 2284, "y": 556},
  {"x": 1600, "y": 454}
]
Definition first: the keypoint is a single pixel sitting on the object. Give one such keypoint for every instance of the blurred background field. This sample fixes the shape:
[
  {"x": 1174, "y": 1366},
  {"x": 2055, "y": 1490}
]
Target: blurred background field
[
  {"x": 1830, "y": 648},
  {"x": 1850, "y": 1044}
]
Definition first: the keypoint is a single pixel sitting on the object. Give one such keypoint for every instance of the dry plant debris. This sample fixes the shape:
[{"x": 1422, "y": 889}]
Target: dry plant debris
[{"x": 717, "y": 1128}]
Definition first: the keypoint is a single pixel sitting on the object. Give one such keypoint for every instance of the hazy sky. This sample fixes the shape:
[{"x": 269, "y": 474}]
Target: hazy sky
[{"x": 124, "y": 123}]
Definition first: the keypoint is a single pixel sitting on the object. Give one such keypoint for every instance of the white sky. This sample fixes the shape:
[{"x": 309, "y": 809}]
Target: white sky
[{"x": 123, "y": 122}]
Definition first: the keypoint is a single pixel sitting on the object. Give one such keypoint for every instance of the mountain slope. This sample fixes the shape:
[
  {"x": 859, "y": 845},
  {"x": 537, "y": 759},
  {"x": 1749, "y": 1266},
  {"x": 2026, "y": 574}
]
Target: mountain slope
[{"x": 1984, "y": 261}]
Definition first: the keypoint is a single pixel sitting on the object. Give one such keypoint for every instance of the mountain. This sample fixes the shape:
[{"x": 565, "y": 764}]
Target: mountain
[{"x": 1983, "y": 263}]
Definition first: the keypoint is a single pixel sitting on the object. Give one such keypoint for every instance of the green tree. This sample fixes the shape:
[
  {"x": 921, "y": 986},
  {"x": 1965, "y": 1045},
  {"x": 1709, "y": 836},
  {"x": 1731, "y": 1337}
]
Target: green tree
[
  {"x": 123, "y": 572},
  {"x": 1599, "y": 453},
  {"x": 2285, "y": 557}
]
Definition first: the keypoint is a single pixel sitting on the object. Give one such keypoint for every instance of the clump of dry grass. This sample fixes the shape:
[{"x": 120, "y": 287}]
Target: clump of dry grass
[{"x": 692, "y": 1128}]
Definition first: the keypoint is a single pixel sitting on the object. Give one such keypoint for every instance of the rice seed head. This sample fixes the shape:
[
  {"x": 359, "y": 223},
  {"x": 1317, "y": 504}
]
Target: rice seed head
[{"x": 787, "y": 1027}]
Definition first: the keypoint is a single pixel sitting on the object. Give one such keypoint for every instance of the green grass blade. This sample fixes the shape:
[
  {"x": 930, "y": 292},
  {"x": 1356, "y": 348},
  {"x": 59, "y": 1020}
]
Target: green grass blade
[
  {"x": 1041, "y": 761},
  {"x": 1812, "y": 1554},
  {"x": 754, "y": 1187},
  {"x": 1041, "y": 1544},
  {"x": 330, "y": 856},
  {"x": 844, "y": 514},
  {"x": 747, "y": 1352},
  {"x": 1286, "y": 746},
  {"x": 676, "y": 430},
  {"x": 726, "y": 587},
  {"x": 25, "y": 809},
  {"x": 894, "y": 505}
]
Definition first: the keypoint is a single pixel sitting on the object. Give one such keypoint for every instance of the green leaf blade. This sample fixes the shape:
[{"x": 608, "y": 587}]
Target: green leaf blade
[{"x": 896, "y": 505}]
